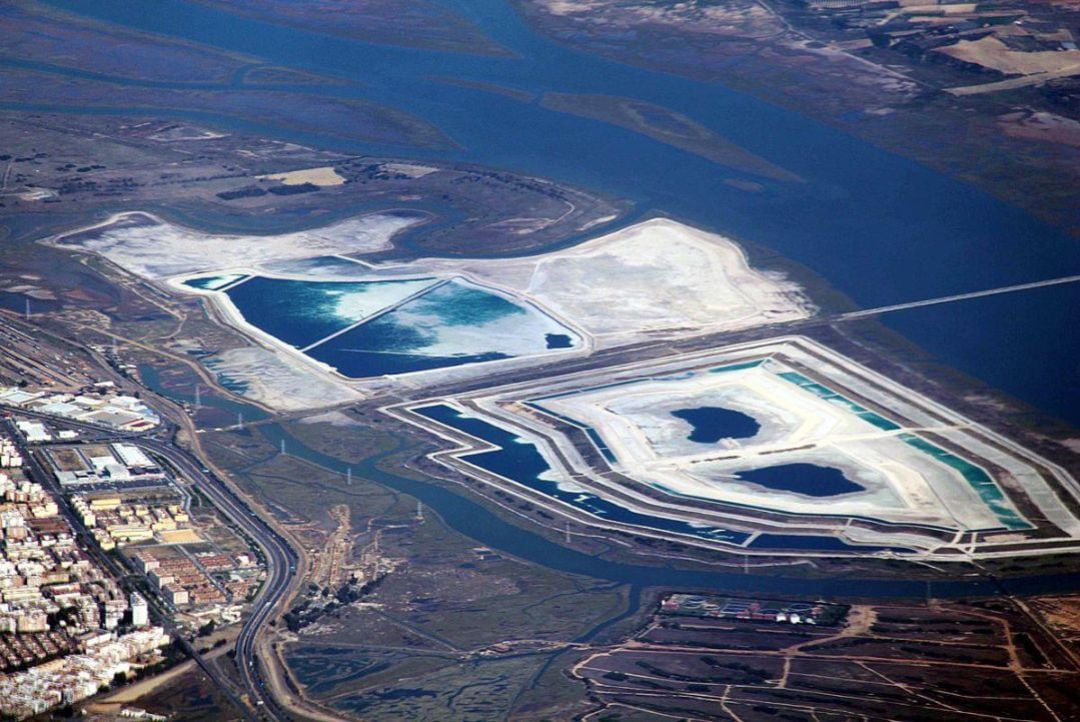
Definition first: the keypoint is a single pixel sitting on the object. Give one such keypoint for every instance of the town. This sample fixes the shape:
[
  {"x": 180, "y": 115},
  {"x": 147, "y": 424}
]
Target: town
[{"x": 85, "y": 510}]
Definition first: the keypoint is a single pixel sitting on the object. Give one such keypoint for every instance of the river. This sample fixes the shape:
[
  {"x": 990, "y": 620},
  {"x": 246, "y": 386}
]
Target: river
[
  {"x": 476, "y": 521},
  {"x": 468, "y": 517},
  {"x": 879, "y": 228}
]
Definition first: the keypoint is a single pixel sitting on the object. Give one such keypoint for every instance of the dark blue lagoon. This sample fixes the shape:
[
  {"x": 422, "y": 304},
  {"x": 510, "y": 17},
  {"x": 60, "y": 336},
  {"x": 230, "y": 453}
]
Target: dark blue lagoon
[
  {"x": 712, "y": 423},
  {"x": 559, "y": 340},
  {"x": 808, "y": 479},
  {"x": 454, "y": 322},
  {"x": 521, "y": 462},
  {"x": 814, "y": 543},
  {"x": 478, "y": 522},
  {"x": 301, "y": 313},
  {"x": 372, "y": 328}
]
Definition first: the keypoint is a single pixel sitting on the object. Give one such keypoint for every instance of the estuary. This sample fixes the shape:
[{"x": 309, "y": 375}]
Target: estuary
[{"x": 861, "y": 218}]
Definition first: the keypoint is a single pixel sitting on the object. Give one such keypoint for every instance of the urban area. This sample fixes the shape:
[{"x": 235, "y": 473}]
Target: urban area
[{"x": 108, "y": 560}]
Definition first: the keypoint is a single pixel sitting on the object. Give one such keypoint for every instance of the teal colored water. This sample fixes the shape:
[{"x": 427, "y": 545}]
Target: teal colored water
[
  {"x": 478, "y": 522},
  {"x": 988, "y": 490},
  {"x": 824, "y": 392},
  {"x": 459, "y": 304},
  {"x": 450, "y": 324},
  {"x": 736, "y": 367},
  {"x": 301, "y": 313},
  {"x": 371, "y": 328},
  {"x": 211, "y": 283}
]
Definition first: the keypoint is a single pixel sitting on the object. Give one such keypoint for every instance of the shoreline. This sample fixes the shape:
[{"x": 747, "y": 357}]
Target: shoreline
[{"x": 699, "y": 259}]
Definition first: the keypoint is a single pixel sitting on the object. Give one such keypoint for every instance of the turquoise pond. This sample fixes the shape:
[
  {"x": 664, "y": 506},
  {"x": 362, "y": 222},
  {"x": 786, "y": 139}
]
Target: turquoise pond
[
  {"x": 213, "y": 283},
  {"x": 710, "y": 424},
  {"x": 520, "y": 461},
  {"x": 980, "y": 481},
  {"x": 374, "y": 328}
]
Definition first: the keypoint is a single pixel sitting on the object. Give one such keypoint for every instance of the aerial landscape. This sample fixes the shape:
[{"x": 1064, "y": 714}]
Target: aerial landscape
[{"x": 596, "y": 360}]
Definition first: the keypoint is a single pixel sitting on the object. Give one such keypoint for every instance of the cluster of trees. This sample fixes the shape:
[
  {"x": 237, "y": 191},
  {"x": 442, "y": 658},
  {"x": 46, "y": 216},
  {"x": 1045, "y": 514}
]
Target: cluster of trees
[{"x": 310, "y": 610}]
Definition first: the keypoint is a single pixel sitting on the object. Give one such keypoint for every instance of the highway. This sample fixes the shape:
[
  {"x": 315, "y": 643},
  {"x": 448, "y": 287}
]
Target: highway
[
  {"x": 280, "y": 558},
  {"x": 652, "y": 349},
  {"x": 162, "y": 616}
]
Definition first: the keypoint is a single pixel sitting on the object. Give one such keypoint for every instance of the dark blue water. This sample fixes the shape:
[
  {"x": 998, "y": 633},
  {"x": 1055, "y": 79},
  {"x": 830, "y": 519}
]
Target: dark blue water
[
  {"x": 1025, "y": 343},
  {"x": 297, "y": 312},
  {"x": 808, "y": 479},
  {"x": 521, "y": 462},
  {"x": 813, "y": 543},
  {"x": 410, "y": 336},
  {"x": 477, "y": 522},
  {"x": 302, "y": 313},
  {"x": 712, "y": 423},
  {"x": 880, "y": 228},
  {"x": 374, "y": 349},
  {"x": 558, "y": 340}
]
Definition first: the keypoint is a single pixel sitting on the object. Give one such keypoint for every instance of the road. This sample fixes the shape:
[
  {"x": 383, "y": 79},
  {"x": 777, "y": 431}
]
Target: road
[
  {"x": 280, "y": 558},
  {"x": 42, "y": 476},
  {"x": 281, "y": 561},
  {"x": 957, "y": 297},
  {"x": 654, "y": 348}
]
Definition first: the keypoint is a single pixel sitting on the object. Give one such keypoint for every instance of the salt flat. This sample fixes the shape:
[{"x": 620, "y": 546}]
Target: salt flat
[
  {"x": 834, "y": 450},
  {"x": 485, "y": 326},
  {"x": 655, "y": 277},
  {"x": 900, "y": 482},
  {"x": 658, "y": 277},
  {"x": 279, "y": 382},
  {"x": 156, "y": 249}
]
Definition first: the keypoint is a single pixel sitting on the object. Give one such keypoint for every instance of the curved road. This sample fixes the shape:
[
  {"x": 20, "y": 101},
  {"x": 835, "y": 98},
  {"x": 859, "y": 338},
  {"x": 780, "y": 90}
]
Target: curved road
[
  {"x": 281, "y": 561},
  {"x": 281, "y": 558}
]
